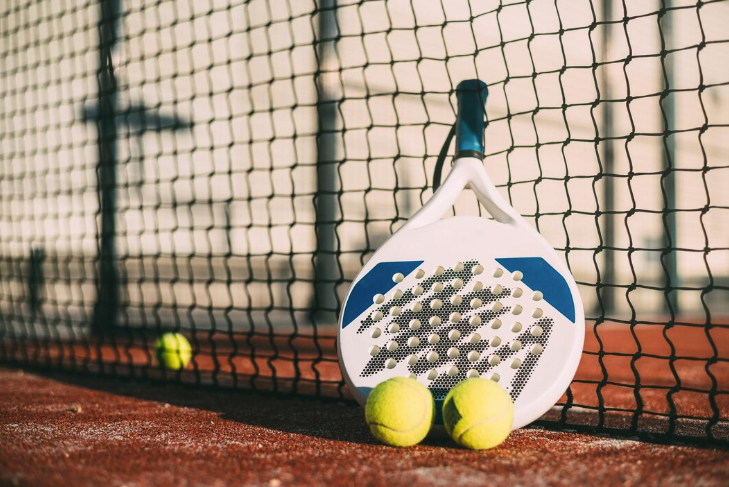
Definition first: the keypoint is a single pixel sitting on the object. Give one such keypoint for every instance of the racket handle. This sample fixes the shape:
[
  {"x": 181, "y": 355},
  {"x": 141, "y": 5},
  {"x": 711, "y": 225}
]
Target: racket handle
[{"x": 471, "y": 94}]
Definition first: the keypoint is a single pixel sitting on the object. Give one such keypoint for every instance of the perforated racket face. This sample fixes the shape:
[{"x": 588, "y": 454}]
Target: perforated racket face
[{"x": 465, "y": 297}]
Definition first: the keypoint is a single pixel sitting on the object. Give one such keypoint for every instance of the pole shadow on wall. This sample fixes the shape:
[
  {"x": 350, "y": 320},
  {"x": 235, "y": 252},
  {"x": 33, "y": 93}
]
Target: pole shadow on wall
[{"x": 108, "y": 117}]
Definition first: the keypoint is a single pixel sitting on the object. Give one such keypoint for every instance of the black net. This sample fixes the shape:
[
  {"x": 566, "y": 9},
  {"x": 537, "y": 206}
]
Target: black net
[{"x": 224, "y": 168}]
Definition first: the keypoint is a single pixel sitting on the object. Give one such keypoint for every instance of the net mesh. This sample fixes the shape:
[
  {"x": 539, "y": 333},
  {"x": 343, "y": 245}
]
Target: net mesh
[{"x": 224, "y": 168}]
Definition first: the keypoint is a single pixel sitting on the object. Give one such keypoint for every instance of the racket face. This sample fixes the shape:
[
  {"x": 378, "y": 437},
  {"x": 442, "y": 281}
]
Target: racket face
[{"x": 459, "y": 298}]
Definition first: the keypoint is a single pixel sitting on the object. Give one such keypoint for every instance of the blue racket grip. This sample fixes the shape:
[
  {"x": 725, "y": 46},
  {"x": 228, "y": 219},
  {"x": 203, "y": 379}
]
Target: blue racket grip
[{"x": 471, "y": 94}]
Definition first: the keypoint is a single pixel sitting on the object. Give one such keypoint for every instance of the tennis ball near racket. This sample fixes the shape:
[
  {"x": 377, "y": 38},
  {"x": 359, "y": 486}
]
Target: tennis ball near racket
[
  {"x": 477, "y": 414},
  {"x": 173, "y": 351},
  {"x": 400, "y": 411}
]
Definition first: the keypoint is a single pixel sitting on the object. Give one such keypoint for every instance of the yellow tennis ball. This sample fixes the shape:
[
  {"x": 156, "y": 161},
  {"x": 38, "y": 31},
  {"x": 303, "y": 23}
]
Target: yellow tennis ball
[
  {"x": 478, "y": 413},
  {"x": 173, "y": 351},
  {"x": 400, "y": 411}
]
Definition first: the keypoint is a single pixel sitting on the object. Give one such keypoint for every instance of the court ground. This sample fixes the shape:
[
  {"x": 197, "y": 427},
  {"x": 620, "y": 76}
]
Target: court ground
[{"x": 66, "y": 429}]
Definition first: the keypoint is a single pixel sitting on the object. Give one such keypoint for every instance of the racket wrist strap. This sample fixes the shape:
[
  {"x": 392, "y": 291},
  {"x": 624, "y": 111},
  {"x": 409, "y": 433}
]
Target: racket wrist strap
[{"x": 469, "y": 127}]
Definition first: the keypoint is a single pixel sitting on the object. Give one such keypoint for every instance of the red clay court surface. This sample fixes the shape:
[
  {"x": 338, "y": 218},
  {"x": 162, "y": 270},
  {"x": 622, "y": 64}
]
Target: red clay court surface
[
  {"x": 638, "y": 376},
  {"x": 64, "y": 429}
]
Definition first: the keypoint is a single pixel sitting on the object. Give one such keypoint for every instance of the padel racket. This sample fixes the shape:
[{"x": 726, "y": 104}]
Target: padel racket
[{"x": 446, "y": 299}]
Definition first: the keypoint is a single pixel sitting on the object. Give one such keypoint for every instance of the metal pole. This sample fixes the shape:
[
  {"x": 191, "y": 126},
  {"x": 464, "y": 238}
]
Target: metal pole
[
  {"x": 325, "y": 201},
  {"x": 35, "y": 279},
  {"x": 669, "y": 181},
  {"x": 107, "y": 302},
  {"x": 608, "y": 168}
]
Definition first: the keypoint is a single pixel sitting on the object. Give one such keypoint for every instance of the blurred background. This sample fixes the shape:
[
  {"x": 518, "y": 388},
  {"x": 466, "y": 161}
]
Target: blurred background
[{"x": 228, "y": 166}]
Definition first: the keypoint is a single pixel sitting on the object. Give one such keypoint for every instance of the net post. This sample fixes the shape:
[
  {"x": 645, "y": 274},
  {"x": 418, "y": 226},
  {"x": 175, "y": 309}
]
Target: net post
[
  {"x": 608, "y": 168},
  {"x": 35, "y": 279},
  {"x": 325, "y": 200},
  {"x": 107, "y": 285},
  {"x": 670, "y": 257}
]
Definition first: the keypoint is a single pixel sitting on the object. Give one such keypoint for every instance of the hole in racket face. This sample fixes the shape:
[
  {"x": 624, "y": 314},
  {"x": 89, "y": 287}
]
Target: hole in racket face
[{"x": 447, "y": 323}]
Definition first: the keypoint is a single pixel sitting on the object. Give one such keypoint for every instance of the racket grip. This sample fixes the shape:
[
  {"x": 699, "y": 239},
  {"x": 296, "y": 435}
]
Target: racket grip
[{"x": 471, "y": 94}]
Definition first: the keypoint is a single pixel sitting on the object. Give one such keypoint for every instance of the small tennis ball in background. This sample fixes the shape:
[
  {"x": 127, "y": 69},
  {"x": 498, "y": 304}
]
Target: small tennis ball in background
[
  {"x": 477, "y": 413},
  {"x": 173, "y": 351},
  {"x": 400, "y": 411}
]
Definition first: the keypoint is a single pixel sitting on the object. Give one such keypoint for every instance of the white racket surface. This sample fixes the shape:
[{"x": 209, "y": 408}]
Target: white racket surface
[{"x": 444, "y": 300}]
